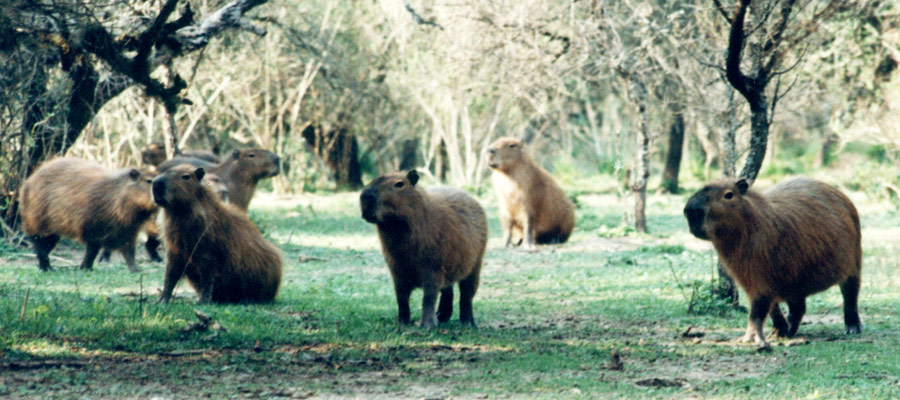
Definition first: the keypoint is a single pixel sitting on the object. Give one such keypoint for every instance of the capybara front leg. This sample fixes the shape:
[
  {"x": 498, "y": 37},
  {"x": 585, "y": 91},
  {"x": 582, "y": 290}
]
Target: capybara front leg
[
  {"x": 778, "y": 322},
  {"x": 759, "y": 309},
  {"x": 152, "y": 246},
  {"x": 797, "y": 309},
  {"x": 528, "y": 230},
  {"x": 89, "y": 255},
  {"x": 429, "y": 298},
  {"x": 174, "y": 271},
  {"x": 42, "y": 247},
  {"x": 445, "y": 307},
  {"x": 128, "y": 252},
  {"x": 105, "y": 255},
  {"x": 467, "y": 289},
  {"x": 850, "y": 291},
  {"x": 402, "y": 291}
]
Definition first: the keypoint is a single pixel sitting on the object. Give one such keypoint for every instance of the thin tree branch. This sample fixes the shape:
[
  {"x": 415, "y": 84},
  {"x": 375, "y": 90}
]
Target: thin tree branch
[{"x": 418, "y": 18}]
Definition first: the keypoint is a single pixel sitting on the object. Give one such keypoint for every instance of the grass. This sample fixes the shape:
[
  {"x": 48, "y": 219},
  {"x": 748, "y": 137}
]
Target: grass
[{"x": 548, "y": 321}]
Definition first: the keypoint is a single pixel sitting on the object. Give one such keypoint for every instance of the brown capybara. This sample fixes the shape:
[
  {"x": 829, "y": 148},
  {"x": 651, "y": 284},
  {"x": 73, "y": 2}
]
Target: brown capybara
[
  {"x": 431, "y": 239},
  {"x": 781, "y": 245},
  {"x": 533, "y": 208},
  {"x": 214, "y": 245},
  {"x": 155, "y": 153},
  {"x": 240, "y": 172},
  {"x": 82, "y": 200}
]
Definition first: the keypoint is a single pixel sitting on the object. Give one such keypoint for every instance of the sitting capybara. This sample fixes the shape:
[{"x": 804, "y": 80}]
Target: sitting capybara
[
  {"x": 240, "y": 172},
  {"x": 431, "y": 239},
  {"x": 214, "y": 245},
  {"x": 532, "y": 206},
  {"x": 81, "y": 200},
  {"x": 793, "y": 240},
  {"x": 155, "y": 154}
]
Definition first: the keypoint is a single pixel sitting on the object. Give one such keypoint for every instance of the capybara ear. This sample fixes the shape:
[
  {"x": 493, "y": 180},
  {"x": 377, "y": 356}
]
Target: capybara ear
[
  {"x": 199, "y": 172},
  {"x": 743, "y": 185},
  {"x": 236, "y": 154},
  {"x": 134, "y": 174},
  {"x": 413, "y": 177}
]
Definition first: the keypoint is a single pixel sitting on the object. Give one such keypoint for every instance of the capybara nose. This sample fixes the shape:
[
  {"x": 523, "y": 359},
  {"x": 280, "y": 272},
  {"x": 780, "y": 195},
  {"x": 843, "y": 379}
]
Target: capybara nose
[
  {"x": 695, "y": 216},
  {"x": 159, "y": 190},
  {"x": 367, "y": 202}
]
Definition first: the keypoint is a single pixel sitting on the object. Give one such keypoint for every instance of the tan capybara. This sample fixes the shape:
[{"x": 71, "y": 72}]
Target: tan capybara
[
  {"x": 431, "y": 239},
  {"x": 81, "y": 200},
  {"x": 155, "y": 153},
  {"x": 214, "y": 245},
  {"x": 795, "y": 239},
  {"x": 533, "y": 208},
  {"x": 240, "y": 172}
]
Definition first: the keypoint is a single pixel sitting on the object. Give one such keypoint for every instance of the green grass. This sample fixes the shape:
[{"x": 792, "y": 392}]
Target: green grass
[{"x": 548, "y": 321}]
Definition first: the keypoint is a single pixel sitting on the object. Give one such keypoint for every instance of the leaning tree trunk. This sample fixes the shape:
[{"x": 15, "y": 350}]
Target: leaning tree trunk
[{"x": 676, "y": 145}]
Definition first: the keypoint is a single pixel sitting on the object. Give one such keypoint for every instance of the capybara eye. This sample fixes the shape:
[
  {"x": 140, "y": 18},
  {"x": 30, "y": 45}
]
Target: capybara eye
[
  {"x": 729, "y": 195},
  {"x": 251, "y": 155},
  {"x": 512, "y": 146},
  {"x": 186, "y": 177},
  {"x": 491, "y": 151},
  {"x": 398, "y": 184}
]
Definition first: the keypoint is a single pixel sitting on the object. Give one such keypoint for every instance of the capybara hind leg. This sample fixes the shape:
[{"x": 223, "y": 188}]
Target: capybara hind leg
[
  {"x": 128, "y": 253},
  {"x": 780, "y": 325},
  {"x": 798, "y": 308},
  {"x": 850, "y": 291},
  {"x": 152, "y": 246},
  {"x": 42, "y": 247},
  {"x": 445, "y": 307},
  {"x": 402, "y": 291},
  {"x": 759, "y": 309},
  {"x": 429, "y": 298},
  {"x": 90, "y": 254},
  {"x": 467, "y": 289}
]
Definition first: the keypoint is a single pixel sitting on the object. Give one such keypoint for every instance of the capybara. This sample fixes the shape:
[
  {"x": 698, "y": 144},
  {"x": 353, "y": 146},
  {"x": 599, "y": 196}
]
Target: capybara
[
  {"x": 82, "y": 200},
  {"x": 533, "y": 208},
  {"x": 214, "y": 245},
  {"x": 431, "y": 239},
  {"x": 781, "y": 245},
  {"x": 240, "y": 172},
  {"x": 155, "y": 154}
]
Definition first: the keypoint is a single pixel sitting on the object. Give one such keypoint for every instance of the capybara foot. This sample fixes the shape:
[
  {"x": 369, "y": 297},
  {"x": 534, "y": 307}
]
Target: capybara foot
[
  {"x": 428, "y": 323},
  {"x": 853, "y": 330},
  {"x": 470, "y": 323}
]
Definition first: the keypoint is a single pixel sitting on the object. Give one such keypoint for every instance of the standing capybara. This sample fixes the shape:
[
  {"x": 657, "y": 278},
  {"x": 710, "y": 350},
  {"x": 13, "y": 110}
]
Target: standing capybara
[
  {"x": 81, "y": 200},
  {"x": 431, "y": 239},
  {"x": 793, "y": 240},
  {"x": 240, "y": 172},
  {"x": 532, "y": 206},
  {"x": 155, "y": 154},
  {"x": 214, "y": 245}
]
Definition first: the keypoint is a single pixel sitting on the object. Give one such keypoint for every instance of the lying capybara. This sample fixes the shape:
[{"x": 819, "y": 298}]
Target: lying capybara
[
  {"x": 240, "y": 172},
  {"x": 81, "y": 200},
  {"x": 214, "y": 245},
  {"x": 155, "y": 154},
  {"x": 431, "y": 239},
  {"x": 793, "y": 240},
  {"x": 532, "y": 206}
]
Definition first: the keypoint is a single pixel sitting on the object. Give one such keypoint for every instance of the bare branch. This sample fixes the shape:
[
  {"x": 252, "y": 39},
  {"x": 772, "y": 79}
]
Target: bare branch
[
  {"x": 418, "y": 18},
  {"x": 196, "y": 36}
]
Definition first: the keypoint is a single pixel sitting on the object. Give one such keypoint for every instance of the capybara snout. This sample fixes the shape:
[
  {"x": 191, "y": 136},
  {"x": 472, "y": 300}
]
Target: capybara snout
[
  {"x": 176, "y": 184},
  {"x": 368, "y": 201},
  {"x": 695, "y": 212}
]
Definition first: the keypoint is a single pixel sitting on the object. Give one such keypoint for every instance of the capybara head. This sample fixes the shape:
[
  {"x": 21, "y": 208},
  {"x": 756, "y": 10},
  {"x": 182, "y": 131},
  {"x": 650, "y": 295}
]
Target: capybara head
[
  {"x": 715, "y": 206},
  {"x": 179, "y": 187},
  {"x": 153, "y": 153},
  {"x": 390, "y": 197},
  {"x": 138, "y": 188},
  {"x": 504, "y": 153},
  {"x": 259, "y": 163}
]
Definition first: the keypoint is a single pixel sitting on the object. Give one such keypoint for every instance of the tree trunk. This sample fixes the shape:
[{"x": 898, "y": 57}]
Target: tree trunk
[
  {"x": 409, "y": 154},
  {"x": 340, "y": 151},
  {"x": 639, "y": 98},
  {"x": 676, "y": 144}
]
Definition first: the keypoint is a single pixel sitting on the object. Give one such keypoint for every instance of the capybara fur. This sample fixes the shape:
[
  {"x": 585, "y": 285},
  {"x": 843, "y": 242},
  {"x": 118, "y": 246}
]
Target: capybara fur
[
  {"x": 81, "y": 200},
  {"x": 214, "y": 245},
  {"x": 155, "y": 153},
  {"x": 795, "y": 239},
  {"x": 533, "y": 208},
  {"x": 431, "y": 239},
  {"x": 240, "y": 172}
]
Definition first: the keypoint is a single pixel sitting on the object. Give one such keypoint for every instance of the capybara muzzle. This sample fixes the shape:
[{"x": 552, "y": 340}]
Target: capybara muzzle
[
  {"x": 695, "y": 211},
  {"x": 368, "y": 202},
  {"x": 159, "y": 190}
]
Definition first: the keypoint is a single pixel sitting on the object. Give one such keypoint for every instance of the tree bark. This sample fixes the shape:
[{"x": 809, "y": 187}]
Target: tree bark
[
  {"x": 640, "y": 98},
  {"x": 676, "y": 145}
]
